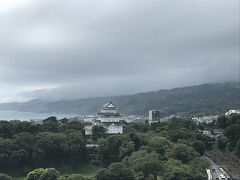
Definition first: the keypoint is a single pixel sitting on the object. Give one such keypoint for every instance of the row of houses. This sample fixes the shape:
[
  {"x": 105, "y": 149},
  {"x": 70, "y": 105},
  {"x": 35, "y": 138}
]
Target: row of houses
[
  {"x": 212, "y": 119},
  {"x": 205, "y": 119}
]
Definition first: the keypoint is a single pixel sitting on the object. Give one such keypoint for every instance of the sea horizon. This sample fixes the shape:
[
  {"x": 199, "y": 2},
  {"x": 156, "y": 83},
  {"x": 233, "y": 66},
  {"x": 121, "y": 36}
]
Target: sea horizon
[{"x": 27, "y": 116}]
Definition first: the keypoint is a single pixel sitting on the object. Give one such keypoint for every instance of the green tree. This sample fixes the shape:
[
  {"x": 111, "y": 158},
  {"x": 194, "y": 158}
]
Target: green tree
[
  {"x": 222, "y": 121},
  {"x": 237, "y": 149},
  {"x": 7, "y": 147},
  {"x": 51, "y": 145},
  {"x": 64, "y": 120},
  {"x": 75, "y": 146},
  {"x": 76, "y": 177},
  {"x": 22, "y": 126},
  {"x": 6, "y": 129},
  {"x": 72, "y": 125},
  {"x": 35, "y": 175},
  {"x": 222, "y": 142},
  {"x": 199, "y": 146},
  {"x": 234, "y": 118},
  {"x": 126, "y": 149},
  {"x": 136, "y": 127},
  {"x": 24, "y": 140},
  {"x": 43, "y": 174},
  {"x": 116, "y": 171},
  {"x": 98, "y": 132},
  {"x": 49, "y": 174},
  {"x": 19, "y": 157},
  {"x": 184, "y": 153},
  {"x": 112, "y": 146},
  {"x": 233, "y": 133},
  {"x": 176, "y": 170},
  {"x": 5, "y": 177},
  {"x": 138, "y": 139},
  {"x": 159, "y": 144},
  {"x": 180, "y": 134},
  {"x": 51, "y": 124},
  {"x": 61, "y": 178},
  {"x": 102, "y": 174},
  {"x": 145, "y": 163}
]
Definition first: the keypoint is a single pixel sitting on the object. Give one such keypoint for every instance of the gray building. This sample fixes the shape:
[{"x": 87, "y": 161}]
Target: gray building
[{"x": 154, "y": 115}]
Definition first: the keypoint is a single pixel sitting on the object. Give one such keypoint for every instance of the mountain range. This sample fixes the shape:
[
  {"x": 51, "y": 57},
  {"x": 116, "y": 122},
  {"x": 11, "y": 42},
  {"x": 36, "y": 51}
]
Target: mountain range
[{"x": 202, "y": 99}]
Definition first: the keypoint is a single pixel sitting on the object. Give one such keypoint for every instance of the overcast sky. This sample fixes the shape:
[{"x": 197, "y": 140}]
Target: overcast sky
[{"x": 60, "y": 49}]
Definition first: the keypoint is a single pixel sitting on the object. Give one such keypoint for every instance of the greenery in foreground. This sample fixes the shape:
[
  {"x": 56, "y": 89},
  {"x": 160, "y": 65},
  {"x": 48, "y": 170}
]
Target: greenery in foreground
[
  {"x": 229, "y": 141},
  {"x": 169, "y": 150}
]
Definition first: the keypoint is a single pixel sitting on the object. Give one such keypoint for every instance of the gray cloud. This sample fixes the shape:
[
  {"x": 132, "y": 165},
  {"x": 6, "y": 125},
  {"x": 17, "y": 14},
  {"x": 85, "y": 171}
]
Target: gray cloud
[{"x": 73, "y": 49}]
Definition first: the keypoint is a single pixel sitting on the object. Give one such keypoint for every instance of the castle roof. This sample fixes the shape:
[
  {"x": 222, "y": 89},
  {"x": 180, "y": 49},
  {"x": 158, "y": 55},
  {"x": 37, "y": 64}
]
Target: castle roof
[{"x": 109, "y": 105}]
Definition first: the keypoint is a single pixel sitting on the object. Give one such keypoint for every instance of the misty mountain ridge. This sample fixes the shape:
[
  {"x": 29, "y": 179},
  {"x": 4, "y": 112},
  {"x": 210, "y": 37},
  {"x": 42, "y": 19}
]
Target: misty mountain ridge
[{"x": 193, "y": 100}]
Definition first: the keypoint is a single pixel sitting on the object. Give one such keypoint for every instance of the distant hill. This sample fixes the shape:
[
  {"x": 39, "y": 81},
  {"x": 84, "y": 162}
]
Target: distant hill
[{"x": 193, "y": 100}]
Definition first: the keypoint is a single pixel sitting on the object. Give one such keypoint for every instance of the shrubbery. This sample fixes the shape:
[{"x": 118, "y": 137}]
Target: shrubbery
[
  {"x": 43, "y": 174},
  {"x": 5, "y": 177}
]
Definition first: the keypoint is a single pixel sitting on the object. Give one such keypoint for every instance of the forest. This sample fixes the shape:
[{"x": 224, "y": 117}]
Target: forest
[{"x": 163, "y": 150}]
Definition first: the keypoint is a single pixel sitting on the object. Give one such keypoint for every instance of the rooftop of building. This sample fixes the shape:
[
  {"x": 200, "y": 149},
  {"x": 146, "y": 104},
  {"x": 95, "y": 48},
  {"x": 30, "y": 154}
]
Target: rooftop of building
[{"x": 109, "y": 105}]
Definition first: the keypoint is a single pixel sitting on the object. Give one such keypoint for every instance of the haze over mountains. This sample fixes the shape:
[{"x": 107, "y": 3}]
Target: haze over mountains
[
  {"x": 201, "y": 99},
  {"x": 89, "y": 48}
]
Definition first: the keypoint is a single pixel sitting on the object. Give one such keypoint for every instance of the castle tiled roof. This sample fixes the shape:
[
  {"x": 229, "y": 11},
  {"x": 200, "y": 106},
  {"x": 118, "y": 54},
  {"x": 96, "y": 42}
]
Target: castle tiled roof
[{"x": 109, "y": 105}]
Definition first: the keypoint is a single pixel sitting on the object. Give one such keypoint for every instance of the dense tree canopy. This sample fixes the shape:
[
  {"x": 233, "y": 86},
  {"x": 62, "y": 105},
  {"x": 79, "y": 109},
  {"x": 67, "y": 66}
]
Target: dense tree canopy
[
  {"x": 25, "y": 144},
  {"x": 143, "y": 151},
  {"x": 225, "y": 121},
  {"x": 222, "y": 142},
  {"x": 237, "y": 149},
  {"x": 144, "y": 163},
  {"x": 116, "y": 171},
  {"x": 159, "y": 144},
  {"x": 98, "y": 132},
  {"x": 184, "y": 153},
  {"x": 115, "y": 148},
  {"x": 199, "y": 147},
  {"x": 233, "y": 133}
]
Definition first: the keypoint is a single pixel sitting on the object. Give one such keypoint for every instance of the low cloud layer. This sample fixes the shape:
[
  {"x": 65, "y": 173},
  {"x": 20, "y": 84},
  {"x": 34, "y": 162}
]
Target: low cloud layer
[{"x": 82, "y": 48}]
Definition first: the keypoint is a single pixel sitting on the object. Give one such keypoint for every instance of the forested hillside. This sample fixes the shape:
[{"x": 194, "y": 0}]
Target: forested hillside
[{"x": 202, "y": 99}]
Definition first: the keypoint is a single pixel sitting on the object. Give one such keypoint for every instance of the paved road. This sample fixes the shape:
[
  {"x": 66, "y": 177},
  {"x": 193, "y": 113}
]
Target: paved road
[{"x": 215, "y": 170}]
